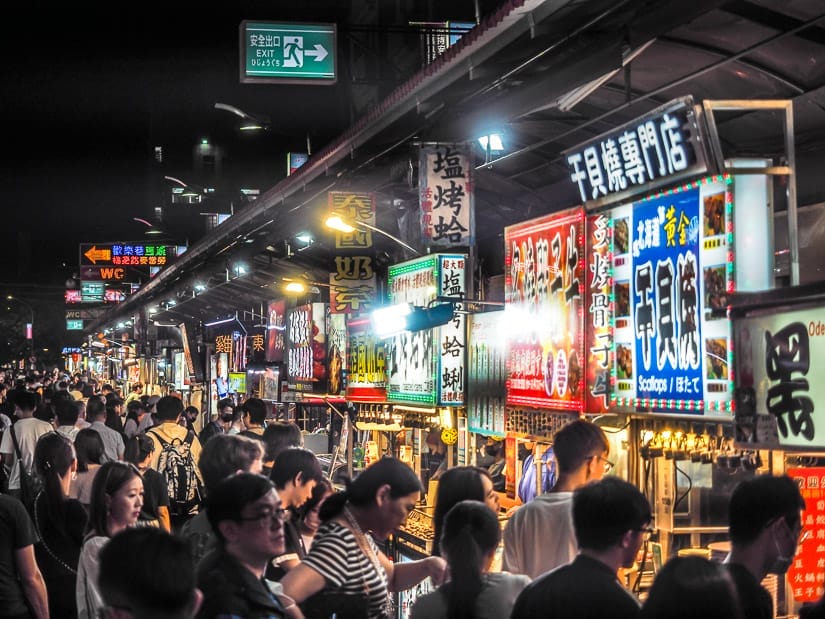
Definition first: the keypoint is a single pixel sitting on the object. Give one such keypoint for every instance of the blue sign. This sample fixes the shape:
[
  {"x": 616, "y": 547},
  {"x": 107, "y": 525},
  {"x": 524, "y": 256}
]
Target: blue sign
[{"x": 665, "y": 300}]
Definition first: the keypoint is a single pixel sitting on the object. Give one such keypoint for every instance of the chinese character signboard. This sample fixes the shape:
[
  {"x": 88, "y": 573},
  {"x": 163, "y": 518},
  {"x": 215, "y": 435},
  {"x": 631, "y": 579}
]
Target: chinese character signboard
[
  {"x": 778, "y": 357},
  {"x": 353, "y": 285},
  {"x": 276, "y": 331},
  {"x": 306, "y": 347},
  {"x": 427, "y": 366},
  {"x": 486, "y": 374},
  {"x": 366, "y": 371},
  {"x": 662, "y": 147},
  {"x": 287, "y": 53},
  {"x": 672, "y": 263},
  {"x": 544, "y": 288},
  {"x": 599, "y": 314},
  {"x": 806, "y": 576},
  {"x": 446, "y": 195},
  {"x": 92, "y": 292},
  {"x": 126, "y": 254}
]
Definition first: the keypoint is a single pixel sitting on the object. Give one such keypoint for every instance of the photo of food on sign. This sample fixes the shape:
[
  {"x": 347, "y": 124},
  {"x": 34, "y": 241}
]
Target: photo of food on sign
[
  {"x": 621, "y": 236},
  {"x": 624, "y": 361},
  {"x": 622, "y": 299},
  {"x": 716, "y": 358},
  {"x": 715, "y": 289},
  {"x": 549, "y": 373},
  {"x": 714, "y": 214},
  {"x": 574, "y": 373}
]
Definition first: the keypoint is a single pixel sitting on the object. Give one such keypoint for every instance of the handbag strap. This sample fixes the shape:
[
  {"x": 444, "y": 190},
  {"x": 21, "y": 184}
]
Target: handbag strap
[
  {"x": 57, "y": 559},
  {"x": 16, "y": 444}
]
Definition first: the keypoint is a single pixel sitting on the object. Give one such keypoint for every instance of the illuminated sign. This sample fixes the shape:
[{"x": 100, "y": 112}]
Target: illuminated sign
[
  {"x": 74, "y": 325},
  {"x": 446, "y": 195},
  {"x": 126, "y": 254},
  {"x": 336, "y": 353},
  {"x": 92, "y": 292},
  {"x": 353, "y": 285},
  {"x": 276, "y": 331},
  {"x": 673, "y": 263},
  {"x": 661, "y": 147},
  {"x": 288, "y": 53},
  {"x": 599, "y": 313},
  {"x": 101, "y": 273},
  {"x": 805, "y": 574},
  {"x": 544, "y": 294},
  {"x": 73, "y": 296},
  {"x": 486, "y": 373},
  {"x": 306, "y": 347},
  {"x": 295, "y": 161},
  {"x": 366, "y": 372}
]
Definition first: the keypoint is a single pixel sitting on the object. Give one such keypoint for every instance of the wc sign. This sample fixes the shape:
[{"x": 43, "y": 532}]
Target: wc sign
[{"x": 103, "y": 274}]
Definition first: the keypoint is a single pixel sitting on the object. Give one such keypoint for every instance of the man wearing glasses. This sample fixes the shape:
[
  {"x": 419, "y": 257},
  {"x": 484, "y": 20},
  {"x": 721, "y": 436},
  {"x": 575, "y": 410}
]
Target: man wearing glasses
[
  {"x": 539, "y": 536},
  {"x": 765, "y": 526},
  {"x": 247, "y": 517},
  {"x": 612, "y": 520}
]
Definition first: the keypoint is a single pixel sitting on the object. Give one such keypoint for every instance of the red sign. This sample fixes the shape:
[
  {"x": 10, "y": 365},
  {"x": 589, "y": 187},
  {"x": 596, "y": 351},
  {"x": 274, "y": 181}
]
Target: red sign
[
  {"x": 598, "y": 313},
  {"x": 276, "y": 332},
  {"x": 544, "y": 287},
  {"x": 806, "y": 576},
  {"x": 366, "y": 368}
]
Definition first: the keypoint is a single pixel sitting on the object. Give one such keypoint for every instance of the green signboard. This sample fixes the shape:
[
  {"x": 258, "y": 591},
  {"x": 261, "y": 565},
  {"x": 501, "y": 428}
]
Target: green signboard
[
  {"x": 287, "y": 53},
  {"x": 74, "y": 325}
]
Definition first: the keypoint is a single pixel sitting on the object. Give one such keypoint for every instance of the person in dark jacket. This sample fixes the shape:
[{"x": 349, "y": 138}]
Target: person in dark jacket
[{"x": 246, "y": 515}]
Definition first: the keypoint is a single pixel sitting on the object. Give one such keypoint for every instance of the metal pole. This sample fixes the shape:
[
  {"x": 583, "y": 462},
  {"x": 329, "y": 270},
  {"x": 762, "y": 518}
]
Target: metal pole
[{"x": 793, "y": 237}]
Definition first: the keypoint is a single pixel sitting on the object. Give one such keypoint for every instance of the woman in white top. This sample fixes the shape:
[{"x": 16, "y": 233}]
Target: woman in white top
[
  {"x": 469, "y": 541},
  {"x": 117, "y": 496}
]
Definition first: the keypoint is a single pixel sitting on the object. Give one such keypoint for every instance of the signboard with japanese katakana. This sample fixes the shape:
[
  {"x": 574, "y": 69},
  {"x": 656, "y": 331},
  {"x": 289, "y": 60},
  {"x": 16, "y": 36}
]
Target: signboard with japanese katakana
[
  {"x": 658, "y": 149},
  {"x": 673, "y": 262},
  {"x": 446, "y": 195},
  {"x": 544, "y": 292}
]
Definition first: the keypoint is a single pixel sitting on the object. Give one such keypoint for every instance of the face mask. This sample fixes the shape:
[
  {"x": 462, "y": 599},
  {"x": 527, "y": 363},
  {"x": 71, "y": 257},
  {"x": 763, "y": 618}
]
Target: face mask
[
  {"x": 490, "y": 451},
  {"x": 782, "y": 563},
  {"x": 226, "y": 418}
]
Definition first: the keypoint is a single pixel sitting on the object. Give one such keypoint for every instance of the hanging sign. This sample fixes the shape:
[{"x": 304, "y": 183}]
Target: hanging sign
[
  {"x": 366, "y": 369},
  {"x": 599, "y": 314},
  {"x": 446, "y": 195},
  {"x": 659, "y": 148},
  {"x": 805, "y": 576},
  {"x": 276, "y": 331},
  {"x": 672, "y": 263},
  {"x": 336, "y": 353},
  {"x": 452, "y": 337},
  {"x": 486, "y": 373},
  {"x": 306, "y": 347},
  {"x": 353, "y": 285},
  {"x": 544, "y": 288}
]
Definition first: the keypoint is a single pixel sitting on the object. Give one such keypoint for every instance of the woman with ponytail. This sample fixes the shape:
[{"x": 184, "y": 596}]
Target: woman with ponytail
[
  {"x": 469, "y": 541},
  {"x": 60, "y": 522}
]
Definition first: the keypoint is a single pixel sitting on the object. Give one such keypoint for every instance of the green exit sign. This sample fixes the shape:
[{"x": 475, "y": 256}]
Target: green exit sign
[{"x": 287, "y": 53}]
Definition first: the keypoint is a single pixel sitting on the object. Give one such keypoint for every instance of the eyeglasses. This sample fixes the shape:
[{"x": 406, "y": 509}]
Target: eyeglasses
[
  {"x": 608, "y": 465},
  {"x": 646, "y": 532},
  {"x": 267, "y": 518}
]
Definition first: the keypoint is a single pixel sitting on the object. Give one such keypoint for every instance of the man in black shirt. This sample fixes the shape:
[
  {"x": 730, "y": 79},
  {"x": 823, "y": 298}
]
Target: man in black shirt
[
  {"x": 611, "y": 519},
  {"x": 765, "y": 529}
]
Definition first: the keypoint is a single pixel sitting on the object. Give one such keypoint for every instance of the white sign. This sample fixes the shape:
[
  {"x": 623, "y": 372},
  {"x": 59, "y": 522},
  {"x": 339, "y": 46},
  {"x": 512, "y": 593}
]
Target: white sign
[
  {"x": 446, "y": 195},
  {"x": 453, "y": 335}
]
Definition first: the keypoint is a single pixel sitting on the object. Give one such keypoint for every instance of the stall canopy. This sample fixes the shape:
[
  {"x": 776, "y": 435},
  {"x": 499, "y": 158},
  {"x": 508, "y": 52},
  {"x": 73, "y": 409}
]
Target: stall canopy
[{"x": 545, "y": 75}]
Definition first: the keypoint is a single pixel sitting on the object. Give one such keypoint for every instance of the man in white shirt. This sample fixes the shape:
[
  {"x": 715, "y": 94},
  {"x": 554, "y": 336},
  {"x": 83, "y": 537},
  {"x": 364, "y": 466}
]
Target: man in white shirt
[
  {"x": 67, "y": 414},
  {"x": 539, "y": 536},
  {"x": 27, "y": 430},
  {"x": 112, "y": 440}
]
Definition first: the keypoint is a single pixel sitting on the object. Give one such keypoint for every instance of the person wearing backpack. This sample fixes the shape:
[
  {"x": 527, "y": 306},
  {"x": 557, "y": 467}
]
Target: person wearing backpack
[
  {"x": 175, "y": 456},
  {"x": 17, "y": 447}
]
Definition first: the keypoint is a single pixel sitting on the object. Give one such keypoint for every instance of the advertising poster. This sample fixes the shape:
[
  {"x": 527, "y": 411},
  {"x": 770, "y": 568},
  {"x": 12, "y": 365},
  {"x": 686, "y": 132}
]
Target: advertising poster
[
  {"x": 599, "y": 315},
  {"x": 276, "y": 331},
  {"x": 672, "y": 262},
  {"x": 271, "y": 384},
  {"x": 446, "y": 195},
  {"x": 805, "y": 576},
  {"x": 306, "y": 348},
  {"x": 486, "y": 373},
  {"x": 366, "y": 369},
  {"x": 776, "y": 359},
  {"x": 237, "y": 383},
  {"x": 544, "y": 290},
  {"x": 336, "y": 353}
]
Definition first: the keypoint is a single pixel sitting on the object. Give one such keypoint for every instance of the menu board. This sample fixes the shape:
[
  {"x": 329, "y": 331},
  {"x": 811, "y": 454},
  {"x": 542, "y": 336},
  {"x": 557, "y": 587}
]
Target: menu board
[
  {"x": 673, "y": 263},
  {"x": 544, "y": 289},
  {"x": 805, "y": 576}
]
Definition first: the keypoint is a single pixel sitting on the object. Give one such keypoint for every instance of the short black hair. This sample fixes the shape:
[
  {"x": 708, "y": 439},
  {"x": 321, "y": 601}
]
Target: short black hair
[
  {"x": 226, "y": 402},
  {"x": 25, "y": 400},
  {"x": 256, "y": 409},
  {"x": 605, "y": 510},
  {"x": 279, "y": 436},
  {"x": 227, "y": 500},
  {"x": 169, "y": 408},
  {"x": 95, "y": 408},
  {"x": 226, "y": 454},
  {"x": 576, "y": 442},
  {"x": 148, "y": 571},
  {"x": 293, "y": 461},
  {"x": 67, "y": 412},
  {"x": 756, "y": 502}
]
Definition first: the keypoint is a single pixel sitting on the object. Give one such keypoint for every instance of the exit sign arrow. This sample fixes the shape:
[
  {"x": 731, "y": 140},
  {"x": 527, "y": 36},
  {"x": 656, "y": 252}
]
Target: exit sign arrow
[{"x": 320, "y": 52}]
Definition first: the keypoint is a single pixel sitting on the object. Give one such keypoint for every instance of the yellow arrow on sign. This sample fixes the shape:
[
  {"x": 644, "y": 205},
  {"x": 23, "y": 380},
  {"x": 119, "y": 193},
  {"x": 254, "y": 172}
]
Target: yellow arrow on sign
[{"x": 95, "y": 254}]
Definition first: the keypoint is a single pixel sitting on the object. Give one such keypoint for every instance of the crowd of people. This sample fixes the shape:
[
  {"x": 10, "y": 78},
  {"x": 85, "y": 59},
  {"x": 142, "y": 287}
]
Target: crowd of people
[{"x": 117, "y": 508}]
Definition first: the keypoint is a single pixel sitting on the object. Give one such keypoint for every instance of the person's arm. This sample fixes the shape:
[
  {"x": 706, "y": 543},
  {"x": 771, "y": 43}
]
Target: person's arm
[
  {"x": 121, "y": 448},
  {"x": 300, "y": 583},
  {"x": 510, "y": 561},
  {"x": 402, "y": 576},
  {"x": 164, "y": 518},
  {"x": 34, "y": 587}
]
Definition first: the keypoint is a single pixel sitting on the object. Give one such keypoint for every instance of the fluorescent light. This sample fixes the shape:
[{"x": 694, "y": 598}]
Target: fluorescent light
[
  {"x": 390, "y": 320},
  {"x": 494, "y": 139},
  {"x": 218, "y": 322},
  {"x": 304, "y": 237},
  {"x": 336, "y": 223},
  {"x": 295, "y": 287}
]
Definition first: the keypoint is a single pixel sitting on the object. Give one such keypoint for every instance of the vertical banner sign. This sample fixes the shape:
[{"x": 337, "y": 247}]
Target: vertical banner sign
[
  {"x": 257, "y": 344},
  {"x": 453, "y": 335},
  {"x": 366, "y": 369},
  {"x": 336, "y": 353},
  {"x": 306, "y": 347},
  {"x": 446, "y": 195},
  {"x": 353, "y": 286},
  {"x": 673, "y": 257},
  {"x": 599, "y": 315},
  {"x": 276, "y": 331},
  {"x": 544, "y": 288},
  {"x": 806, "y": 576},
  {"x": 411, "y": 362},
  {"x": 485, "y": 376}
]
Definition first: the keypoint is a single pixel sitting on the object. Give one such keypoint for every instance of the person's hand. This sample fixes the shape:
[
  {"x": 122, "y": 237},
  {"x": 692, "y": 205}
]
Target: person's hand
[{"x": 437, "y": 568}]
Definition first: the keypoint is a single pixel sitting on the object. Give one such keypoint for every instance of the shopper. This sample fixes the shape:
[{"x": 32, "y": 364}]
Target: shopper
[
  {"x": 611, "y": 519},
  {"x": 18, "y": 442},
  {"x": 135, "y": 415},
  {"x": 254, "y": 418},
  {"x": 461, "y": 483},
  {"x": 221, "y": 424},
  {"x": 112, "y": 439},
  {"x": 308, "y": 514},
  {"x": 344, "y": 562},
  {"x": 155, "y": 512},
  {"x": 67, "y": 413},
  {"x": 277, "y": 437},
  {"x": 60, "y": 523},
  {"x": 765, "y": 527},
  {"x": 117, "y": 496},
  {"x": 89, "y": 450},
  {"x": 22, "y": 587},
  {"x": 581, "y": 450},
  {"x": 470, "y": 538}
]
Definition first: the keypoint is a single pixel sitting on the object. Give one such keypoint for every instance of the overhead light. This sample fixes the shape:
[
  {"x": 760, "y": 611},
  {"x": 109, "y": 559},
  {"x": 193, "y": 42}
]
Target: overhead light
[
  {"x": 494, "y": 140},
  {"x": 153, "y": 310},
  {"x": 200, "y": 287},
  {"x": 388, "y": 321},
  {"x": 295, "y": 287},
  {"x": 219, "y": 322},
  {"x": 171, "y": 303},
  {"x": 336, "y": 223},
  {"x": 304, "y": 237},
  {"x": 241, "y": 269}
]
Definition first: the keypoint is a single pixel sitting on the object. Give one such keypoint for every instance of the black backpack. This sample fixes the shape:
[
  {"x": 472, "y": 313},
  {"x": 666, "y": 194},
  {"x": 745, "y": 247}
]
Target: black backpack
[{"x": 177, "y": 466}]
